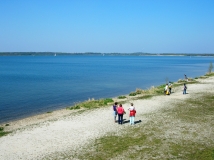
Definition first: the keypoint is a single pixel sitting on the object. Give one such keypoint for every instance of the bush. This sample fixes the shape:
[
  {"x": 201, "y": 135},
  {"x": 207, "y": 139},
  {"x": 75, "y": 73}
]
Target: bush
[
  {"x": 210, "y": 74},
  {"x": 49, "y": 111},
  {"x": 76, "y": 107},
  {"x": 2, "y": 133},
  {"x": 181, "y": 81},
  {"x": 108, "y": 100},
  {"x": 139, "y": 91},
  {"x": 132, "y": 94},
  {"x": 92, "y": 104},
  {"x": 121, "y": 97},
  {"x": 146, "y": 97}
]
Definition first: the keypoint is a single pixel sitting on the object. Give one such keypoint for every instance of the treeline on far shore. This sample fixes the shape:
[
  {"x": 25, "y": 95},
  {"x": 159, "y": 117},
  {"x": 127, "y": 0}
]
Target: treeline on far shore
[{"x": 100, "y": 54}]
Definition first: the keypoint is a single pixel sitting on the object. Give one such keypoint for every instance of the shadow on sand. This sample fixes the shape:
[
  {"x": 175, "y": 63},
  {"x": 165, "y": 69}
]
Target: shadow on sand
[{"x": 127, "y": 121}]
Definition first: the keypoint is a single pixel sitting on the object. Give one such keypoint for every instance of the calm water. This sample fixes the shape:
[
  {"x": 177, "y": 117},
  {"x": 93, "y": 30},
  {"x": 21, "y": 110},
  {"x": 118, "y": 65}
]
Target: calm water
[{"x": 31, "y": 85}]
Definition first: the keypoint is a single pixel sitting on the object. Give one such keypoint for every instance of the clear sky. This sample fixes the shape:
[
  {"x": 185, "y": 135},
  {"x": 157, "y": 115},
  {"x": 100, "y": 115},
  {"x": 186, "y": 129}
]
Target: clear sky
[{"x": 125, "y": 26}]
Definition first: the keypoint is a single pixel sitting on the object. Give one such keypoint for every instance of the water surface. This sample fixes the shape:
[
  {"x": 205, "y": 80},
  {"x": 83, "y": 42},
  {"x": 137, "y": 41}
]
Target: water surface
[{"x": 36, "y": 84}]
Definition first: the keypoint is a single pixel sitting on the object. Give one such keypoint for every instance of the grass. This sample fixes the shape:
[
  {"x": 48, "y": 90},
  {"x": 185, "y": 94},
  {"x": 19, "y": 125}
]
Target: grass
[
  {"x": 159, "y": 90},
  {"x": 50, "y": 112},
  {"x": 75, "y": 107},
  {"x": 2, "y": 132},
  {"x": 209, "y": 74},
  {"x": 137, "y": 94},
  {"x": 145, "y": 97},
  {"x": 121, "y": 97},
  {"x": 189, "y": 113},
  {"x": 132, "y": 94},
  {"x": 184, "y": 131},
  {"x": 90, "y": 104}
]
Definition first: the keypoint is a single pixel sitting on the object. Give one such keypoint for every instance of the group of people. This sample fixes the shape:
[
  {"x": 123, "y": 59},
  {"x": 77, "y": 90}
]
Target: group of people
[
  {"x": 168, "y": 87},
  {"x": 119, "y": 111}
]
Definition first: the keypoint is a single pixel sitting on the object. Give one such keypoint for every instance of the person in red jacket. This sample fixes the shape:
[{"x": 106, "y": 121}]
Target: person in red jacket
[
  {"x": 120, "y": 112},
  {"x": 132, "y": 113}
]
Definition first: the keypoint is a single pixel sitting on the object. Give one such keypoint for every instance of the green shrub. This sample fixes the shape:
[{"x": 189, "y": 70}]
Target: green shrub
[
  {"x": 76, "y": 107},
  {"x": 7, "y": 124},
  {"x": 121, "y": 97},
  {"x": 181, "y": 81},
  {"x": 139, "y": 91},
  {"x": 92, "y": 104},
  {"x": 210, "y": 74},
  {"x": 108, "y": 100},
  {"x": 49, "y": 112},
  {"x": 145, "y": 97},
  {"x": 2, "y": 133},
  {"x": 132, "y": 94}
]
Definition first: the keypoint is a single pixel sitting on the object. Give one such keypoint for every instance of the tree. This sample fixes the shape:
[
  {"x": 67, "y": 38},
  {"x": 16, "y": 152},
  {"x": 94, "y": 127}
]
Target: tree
[{"x": 210, "y": 67}]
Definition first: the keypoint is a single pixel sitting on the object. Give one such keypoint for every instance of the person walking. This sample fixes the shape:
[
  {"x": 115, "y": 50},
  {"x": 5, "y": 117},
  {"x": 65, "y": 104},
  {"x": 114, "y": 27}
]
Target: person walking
[
  {"x": 185, "y": 89},
  {"x": 120, "y": 112},
  {"x": 115, "y": 111},
  {"x": 132, "y": 113}
]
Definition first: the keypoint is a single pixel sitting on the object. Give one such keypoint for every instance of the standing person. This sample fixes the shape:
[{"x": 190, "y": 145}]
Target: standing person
[
  {"x": 185, "y": 77},
  {"x": 115, "y": 111},
  {"x": 131, "y": 107},
  {"x": 132, "y": 114},
  {"x": 166, "y": 89},
  {"x": 120, "y": 112},
  {"x": 185, "y": 89},
  {"x": 170, "y": 87}
]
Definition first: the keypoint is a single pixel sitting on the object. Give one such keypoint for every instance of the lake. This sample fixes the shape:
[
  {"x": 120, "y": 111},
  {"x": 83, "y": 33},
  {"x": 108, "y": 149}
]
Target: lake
[{"x": 33, "y": 85}]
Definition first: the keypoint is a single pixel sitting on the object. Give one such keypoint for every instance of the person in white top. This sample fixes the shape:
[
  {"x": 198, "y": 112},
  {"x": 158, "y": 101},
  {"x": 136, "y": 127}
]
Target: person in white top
[
  {"x": 166, "y": 89},
  {"x": 131, "y": 107}
]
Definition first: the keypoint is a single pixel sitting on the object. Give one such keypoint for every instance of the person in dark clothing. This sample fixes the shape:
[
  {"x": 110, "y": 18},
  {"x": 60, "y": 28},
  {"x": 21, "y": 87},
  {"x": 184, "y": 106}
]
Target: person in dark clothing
[
  {"x": 185, "y": 89},
  {"x": 115, "y": 111},
  {"x": 185, "y": 77}
]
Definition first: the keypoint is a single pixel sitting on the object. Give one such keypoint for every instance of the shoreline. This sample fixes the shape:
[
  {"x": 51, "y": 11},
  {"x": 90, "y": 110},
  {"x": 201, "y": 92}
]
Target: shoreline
[
  {"x": 68, "y": 133},
  {"x": 56, "y": 114},
  {"x": 22, "y": 103}
]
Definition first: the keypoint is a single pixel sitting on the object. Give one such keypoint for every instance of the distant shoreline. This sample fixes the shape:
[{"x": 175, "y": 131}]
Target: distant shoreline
[{"x": 101, "y": 54}]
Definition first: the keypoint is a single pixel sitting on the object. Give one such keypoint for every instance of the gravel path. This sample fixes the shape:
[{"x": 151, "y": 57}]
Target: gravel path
[{"x": 37, "y": 138}]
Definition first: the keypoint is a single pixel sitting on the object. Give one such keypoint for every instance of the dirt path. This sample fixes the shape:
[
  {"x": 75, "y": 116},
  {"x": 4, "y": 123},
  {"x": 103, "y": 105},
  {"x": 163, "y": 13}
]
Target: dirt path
[{"x": 35, "y": 138}]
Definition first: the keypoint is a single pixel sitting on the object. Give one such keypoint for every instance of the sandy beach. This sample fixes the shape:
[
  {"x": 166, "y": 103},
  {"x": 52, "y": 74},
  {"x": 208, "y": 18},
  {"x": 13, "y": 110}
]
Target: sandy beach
[{"x": 63, "y": 131}]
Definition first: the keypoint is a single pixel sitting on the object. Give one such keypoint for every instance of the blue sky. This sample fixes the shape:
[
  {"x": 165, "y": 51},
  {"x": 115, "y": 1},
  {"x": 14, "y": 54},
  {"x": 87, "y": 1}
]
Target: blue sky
[{"x": 125, "y": 26}]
